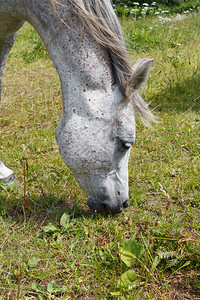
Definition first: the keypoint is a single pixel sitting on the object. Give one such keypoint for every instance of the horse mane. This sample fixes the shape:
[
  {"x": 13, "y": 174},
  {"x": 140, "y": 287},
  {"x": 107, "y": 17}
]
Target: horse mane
[{"x": 101, "y": 22}]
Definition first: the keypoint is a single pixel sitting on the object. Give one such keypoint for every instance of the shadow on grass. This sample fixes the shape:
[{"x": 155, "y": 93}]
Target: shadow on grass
[
  {"x": 41, "y": 209},
  {"x": 45, "y": 209},
  {"x": 183, "y": 97}
]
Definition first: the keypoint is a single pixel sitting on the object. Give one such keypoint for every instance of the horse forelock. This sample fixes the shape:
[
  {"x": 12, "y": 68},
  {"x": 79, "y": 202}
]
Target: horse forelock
[{"x": 101, "y": 22}]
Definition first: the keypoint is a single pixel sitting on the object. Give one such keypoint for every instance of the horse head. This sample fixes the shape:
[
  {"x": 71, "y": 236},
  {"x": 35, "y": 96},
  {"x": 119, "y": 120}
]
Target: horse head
[{"x": 97, "y": 148}]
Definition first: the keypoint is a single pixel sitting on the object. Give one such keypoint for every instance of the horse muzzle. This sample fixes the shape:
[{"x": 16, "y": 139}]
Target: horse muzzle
[{"x": 107, "y": 206}]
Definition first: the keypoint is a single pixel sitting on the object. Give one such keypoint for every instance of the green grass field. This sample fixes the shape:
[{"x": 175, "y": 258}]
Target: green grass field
[{"x": 58, "y": 249}]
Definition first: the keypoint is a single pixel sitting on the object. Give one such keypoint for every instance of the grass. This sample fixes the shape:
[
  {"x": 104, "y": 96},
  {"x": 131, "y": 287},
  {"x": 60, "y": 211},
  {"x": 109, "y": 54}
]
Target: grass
[{"x": 58, "y": 249}]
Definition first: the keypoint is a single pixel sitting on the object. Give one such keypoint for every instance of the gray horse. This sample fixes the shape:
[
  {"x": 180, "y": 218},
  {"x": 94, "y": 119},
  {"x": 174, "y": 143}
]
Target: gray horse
[{"x": 99, "y": 90}]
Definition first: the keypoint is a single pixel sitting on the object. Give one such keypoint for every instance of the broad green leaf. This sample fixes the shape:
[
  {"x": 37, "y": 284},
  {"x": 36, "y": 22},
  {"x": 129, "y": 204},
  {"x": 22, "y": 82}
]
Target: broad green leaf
[
  {"x": 39, "y": 289},
  {"x": 33, "y": 262},
  {"x": 127, "y": 279},
  {"x": 127, "y": 257},
  {"x": 50, "y": 228},
  {"x": 132, "y": 246},
  {"x": 51, "y": 286},
  {"x": 60, "y": 289},
  {"x": 53, "y": 289},
  {"x": 65, "y": 220}
]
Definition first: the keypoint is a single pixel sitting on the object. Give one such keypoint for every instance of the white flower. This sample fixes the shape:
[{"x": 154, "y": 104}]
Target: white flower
[
  {"x": 157, "y": 13},
  {"x": 134, "y": 10},
  {"x": 136, "y": 3},
  {"x": 145, "y": 4},
  {"x": 153, "y": 3}
]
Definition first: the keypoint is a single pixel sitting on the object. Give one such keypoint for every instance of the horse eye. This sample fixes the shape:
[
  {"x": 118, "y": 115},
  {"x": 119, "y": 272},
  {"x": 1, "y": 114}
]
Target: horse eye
[{"x": 126, "y": 144}]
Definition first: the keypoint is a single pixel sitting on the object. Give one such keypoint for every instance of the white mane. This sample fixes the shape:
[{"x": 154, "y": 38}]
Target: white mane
[{"x": 100, "y": 20}]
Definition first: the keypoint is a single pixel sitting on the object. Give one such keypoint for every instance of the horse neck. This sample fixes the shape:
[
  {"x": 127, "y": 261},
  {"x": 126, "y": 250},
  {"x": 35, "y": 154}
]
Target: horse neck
[{"x": 83, "y": 65}]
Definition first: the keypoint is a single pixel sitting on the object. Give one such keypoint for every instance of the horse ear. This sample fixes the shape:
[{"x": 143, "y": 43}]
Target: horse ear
[{"x": 140, "y": 74}]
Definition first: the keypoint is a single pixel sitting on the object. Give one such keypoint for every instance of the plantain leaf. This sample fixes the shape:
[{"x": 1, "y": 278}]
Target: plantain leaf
[
  {"x": 53, "y": 289},
  {"x": 33, "y": 262},
  {"x": 133, "y": 246},
  {"x": 51, "y": 286},
  {"x": 65, "y": 220},
  {"x": 50, "y": 228},
  {"x": 126, "y": 279},
  {"x": 127, "y": 257},
  {"x": 36, "y": 287}
]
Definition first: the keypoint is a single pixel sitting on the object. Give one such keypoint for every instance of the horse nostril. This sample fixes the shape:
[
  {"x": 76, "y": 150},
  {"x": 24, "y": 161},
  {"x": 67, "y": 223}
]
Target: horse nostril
[{"x": 125, "y": 204}]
